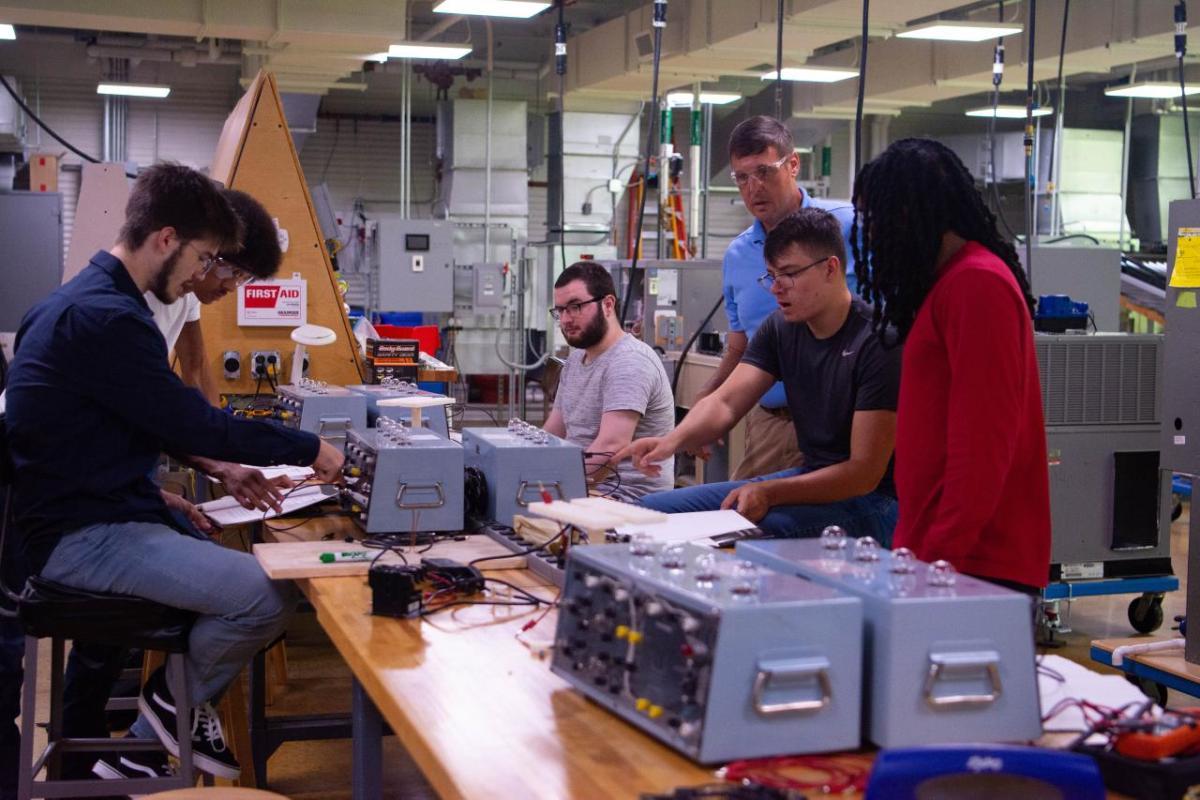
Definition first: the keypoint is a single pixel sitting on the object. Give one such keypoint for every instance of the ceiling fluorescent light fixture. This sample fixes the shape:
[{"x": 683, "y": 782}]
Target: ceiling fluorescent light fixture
[
  {"x": 684, "y": 99},
  {"x": 515, "y": 9},
  {"x": 1151, "y": 90},
  {"x": 1008, "y": 112},
  {"x": 444, "y": 52},
  {"x": 378, "y": 58},
  {"x": 7, "y": 31},
  {"x": 813, "y": 74},
  {"x": 959, "y": 31},
  {"x": 133, "y": 89}
]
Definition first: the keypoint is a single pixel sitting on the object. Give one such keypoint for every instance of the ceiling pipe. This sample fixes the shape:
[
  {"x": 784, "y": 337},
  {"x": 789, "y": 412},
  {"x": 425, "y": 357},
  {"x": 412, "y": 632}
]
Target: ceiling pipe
[{"x": 184, "y": 57}]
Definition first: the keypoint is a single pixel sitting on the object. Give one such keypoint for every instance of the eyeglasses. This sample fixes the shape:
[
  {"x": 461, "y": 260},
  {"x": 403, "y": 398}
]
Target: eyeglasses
[
  {"x": 225, "y": 271},
  {"x": 762, "y": 173},
  {"x": 572, "y": 309},
  {"x": 206, "y": 259},
  {"x": 787, "y": 279}
]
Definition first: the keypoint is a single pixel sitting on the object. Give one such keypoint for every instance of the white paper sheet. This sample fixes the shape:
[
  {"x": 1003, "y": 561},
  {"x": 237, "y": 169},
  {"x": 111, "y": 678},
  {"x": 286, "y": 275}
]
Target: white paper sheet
[
  {"x": 296, "y": 473},
  {"x": 691, "y": 526},
  {"x": 1080, "y": 683},
  {"x": 227, "y": 511}
]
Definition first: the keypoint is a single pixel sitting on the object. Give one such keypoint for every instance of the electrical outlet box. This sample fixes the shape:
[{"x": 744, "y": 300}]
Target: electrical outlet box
[
  {"x": 231, "y": 363},
  {"x": 418, "y": 263},
  {"x": 266, "y": 364}
]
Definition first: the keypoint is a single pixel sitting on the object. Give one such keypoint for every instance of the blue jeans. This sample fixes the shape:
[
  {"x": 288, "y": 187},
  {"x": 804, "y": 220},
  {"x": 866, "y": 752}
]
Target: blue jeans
[
  {"x": 869, "y": 515},
  {"x": 239, "y": 609}
]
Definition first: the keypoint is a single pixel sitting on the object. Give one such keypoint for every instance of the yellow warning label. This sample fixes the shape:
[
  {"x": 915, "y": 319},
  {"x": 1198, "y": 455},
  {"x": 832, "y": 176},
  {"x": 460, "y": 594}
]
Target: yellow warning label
[{"x": 1186, "y": 274}]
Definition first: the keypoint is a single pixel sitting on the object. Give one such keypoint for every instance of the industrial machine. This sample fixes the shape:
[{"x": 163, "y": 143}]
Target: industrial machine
[
  {"x": 434, "y": 418},
  {"x": 714, "y": 656},
  {"x": 1110, "y": 503},
  {"x": 517, "y": 465},
  {"x": 316, "y": 407},
  {"x": 950, "y": 658},
  {"x": 399, "y": 480},
  {"x": 415, "y": 264},
  {"x": 673, "y": 298}
]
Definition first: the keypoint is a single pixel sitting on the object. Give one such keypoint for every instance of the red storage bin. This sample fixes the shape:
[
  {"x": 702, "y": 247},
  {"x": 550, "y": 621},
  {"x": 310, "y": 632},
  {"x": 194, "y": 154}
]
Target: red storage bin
[{"x": 428, "y": 335}]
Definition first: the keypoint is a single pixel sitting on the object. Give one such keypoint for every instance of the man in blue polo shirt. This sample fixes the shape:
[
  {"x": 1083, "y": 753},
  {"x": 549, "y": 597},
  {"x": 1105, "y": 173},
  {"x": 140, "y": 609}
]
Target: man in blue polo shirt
[{"x": 764, "y": 166}]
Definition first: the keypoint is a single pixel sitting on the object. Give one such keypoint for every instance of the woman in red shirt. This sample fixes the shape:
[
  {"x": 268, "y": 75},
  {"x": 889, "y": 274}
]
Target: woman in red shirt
[{"x": 971, "y": 472}]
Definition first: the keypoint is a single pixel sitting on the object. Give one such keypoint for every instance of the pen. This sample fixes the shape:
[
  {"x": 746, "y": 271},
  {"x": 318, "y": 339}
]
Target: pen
[{"x": 350, "y": 555}]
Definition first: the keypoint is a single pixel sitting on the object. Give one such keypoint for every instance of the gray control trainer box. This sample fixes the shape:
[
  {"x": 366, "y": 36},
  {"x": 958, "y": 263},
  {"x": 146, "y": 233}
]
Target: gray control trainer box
[
  {"x": 519, "y": 464},
  {"x": 950, "y": 658},
  {"x": 328, "y": 411},
  {"x": 715, "y": 657},
  {"x": 433, "y": 417},
  {"x": 402, "y": 481}
]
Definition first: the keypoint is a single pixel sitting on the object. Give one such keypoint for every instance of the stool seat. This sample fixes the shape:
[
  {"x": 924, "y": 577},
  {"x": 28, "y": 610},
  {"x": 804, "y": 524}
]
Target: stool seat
[
  {"x": 217, "y": 793},
  {"x": 48, "y": 609}
]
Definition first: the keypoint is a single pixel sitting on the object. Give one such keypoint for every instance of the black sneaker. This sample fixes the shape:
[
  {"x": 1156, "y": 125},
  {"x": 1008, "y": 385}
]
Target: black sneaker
[
  {"x": 209, "y": 751},
  {"x": 139, "y": 764}
]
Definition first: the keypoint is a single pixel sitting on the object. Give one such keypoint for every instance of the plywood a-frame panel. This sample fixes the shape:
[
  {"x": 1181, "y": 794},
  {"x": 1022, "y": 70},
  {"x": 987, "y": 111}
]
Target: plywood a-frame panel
[
  {"x": 99, "y": 214},
  {"x": 256, "y": 155}
]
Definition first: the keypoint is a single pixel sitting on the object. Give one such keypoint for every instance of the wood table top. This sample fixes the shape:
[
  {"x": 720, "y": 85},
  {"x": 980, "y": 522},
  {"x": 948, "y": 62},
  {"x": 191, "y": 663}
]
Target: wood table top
[
  {"x": 1171, "y": 662},
  {"x": 480, "y": 713}
]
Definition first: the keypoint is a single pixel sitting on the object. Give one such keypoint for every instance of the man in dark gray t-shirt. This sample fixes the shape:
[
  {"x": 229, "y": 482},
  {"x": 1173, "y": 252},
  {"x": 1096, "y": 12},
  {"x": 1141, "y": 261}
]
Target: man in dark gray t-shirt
[{"x": 842, "y": 387}]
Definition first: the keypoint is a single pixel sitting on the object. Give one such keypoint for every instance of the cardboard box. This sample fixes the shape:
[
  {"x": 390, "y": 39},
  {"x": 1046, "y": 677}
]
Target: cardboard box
[{"x": 38, "y": 174}]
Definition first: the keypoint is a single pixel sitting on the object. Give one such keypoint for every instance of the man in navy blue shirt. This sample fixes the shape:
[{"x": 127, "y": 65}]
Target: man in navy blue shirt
[
  {"x": 92, "y": 403},
  {"x": 764, "y": 166}
]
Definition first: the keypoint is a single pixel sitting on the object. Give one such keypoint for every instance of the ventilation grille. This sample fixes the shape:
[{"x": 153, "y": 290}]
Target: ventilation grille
[{"x": 1099, "y": 380}]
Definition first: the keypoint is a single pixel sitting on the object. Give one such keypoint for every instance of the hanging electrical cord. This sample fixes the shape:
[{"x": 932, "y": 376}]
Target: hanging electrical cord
[
  {"x": 779, "y": 60},
  {"x": 691, "y": 341},
  {"x": 862, "y": 90},
  {"x": 997, "y": 79},
  {"x": 1030, "y": 205},
  {"x": 659, "y": 22},
  {"x": 560, "y": 69},
  {"x": 1058, "y": 118},
  {"x": 29, "y": 113},
  {"x": 1180, "y": 52}
]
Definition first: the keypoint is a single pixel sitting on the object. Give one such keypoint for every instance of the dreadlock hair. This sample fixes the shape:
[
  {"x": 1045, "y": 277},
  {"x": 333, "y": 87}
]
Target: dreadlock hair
[{"x": 907, "y": 197}]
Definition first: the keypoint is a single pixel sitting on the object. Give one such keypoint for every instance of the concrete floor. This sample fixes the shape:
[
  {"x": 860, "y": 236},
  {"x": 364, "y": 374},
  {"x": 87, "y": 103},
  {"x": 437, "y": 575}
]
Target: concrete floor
[{"x": 319, "y": 682}]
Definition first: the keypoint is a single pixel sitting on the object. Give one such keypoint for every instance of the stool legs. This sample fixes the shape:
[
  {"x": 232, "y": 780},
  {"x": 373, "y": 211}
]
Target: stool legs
[
  {"x": 177, "y": 680},
  {"x": 28, "y": 719}
]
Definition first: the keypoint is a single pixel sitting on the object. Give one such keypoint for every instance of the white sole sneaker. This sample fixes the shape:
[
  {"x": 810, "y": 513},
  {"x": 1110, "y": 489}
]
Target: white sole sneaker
[{"x": 167, "y": 737}]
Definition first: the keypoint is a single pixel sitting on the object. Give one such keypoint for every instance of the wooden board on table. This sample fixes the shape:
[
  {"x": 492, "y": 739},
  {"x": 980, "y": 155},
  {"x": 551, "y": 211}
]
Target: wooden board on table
[{"x": 295, "y": 560}]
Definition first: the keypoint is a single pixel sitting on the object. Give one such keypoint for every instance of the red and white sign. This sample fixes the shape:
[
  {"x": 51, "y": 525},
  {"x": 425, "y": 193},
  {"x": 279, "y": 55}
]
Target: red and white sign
[{"x": 279, "y": 303}]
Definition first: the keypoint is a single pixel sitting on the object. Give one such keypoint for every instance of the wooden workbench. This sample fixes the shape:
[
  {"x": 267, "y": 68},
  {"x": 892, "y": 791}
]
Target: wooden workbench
[
  {"x": 480, "y": 714},
  {"x": 1170, "y": 669}
]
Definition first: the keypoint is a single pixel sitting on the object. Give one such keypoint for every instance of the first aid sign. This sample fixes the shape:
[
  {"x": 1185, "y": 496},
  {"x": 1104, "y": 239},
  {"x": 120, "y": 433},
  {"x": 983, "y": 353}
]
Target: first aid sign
[{"x": 280, "y": 303}]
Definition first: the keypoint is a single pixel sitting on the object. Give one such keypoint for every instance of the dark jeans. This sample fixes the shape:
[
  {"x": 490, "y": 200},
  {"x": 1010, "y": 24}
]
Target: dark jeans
[{"x": 870, "y": 515}]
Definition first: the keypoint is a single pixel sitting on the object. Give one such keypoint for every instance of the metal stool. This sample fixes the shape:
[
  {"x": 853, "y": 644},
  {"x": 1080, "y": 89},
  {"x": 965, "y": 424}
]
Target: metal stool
[{"x": 48, "y": 610}]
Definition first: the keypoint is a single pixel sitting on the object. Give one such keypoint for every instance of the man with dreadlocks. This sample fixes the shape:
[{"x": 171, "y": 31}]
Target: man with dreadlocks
[
  {"x": 841, "y": 384},
  {"x": 971, "y": 473}
]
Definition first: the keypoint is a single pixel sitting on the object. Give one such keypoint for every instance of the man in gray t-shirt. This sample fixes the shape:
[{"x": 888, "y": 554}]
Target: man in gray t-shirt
[{"x": 613, "y": 388}]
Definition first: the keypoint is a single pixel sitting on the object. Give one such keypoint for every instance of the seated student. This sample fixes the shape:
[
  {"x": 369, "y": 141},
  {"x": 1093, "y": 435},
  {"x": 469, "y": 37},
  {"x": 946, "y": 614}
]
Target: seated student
[
  {"x": 613, "y": 388},
  {"x": 91, "y": 404},
  {"x": 257, "y": 258},
  {"x": 841, "y": 385}
]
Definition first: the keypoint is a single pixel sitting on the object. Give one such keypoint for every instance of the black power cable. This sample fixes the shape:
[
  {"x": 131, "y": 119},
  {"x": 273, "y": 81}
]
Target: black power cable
[
  {"x": 1030, "y": 206},
  {"x": 997, "y": 79},
  {"x": 692, "y": 340},
  {"x": 1180, "y": 52},
  {"x": 1062, "y": 90},
  {"x": 29, "y": 113},
  {"x": 779, "y": 60},
  {"x": 560, "y": 69},
  {"x": 862, "y": 89},
  {"x": 659, "y": 22}
]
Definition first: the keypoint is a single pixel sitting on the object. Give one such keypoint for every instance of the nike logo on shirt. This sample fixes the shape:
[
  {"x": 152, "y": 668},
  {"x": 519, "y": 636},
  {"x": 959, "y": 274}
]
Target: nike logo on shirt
[{"x": 847, "y": 353}]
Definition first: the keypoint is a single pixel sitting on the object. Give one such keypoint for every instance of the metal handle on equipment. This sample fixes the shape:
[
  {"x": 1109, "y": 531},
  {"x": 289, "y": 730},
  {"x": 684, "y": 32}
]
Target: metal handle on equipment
[
  {"x": 939, "y": 663},
  {"x": 436, "y": 487},
  {"x": 817, "y": 668},
  {"x": 523, "y": 487}
]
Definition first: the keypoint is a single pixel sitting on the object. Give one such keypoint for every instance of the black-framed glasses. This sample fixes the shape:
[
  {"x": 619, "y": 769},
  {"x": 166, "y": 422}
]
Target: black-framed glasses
[
  {"x": 786, "y": 279},
  {"x": 762, "y": 173},
  {"x": 572, "y": 309}
]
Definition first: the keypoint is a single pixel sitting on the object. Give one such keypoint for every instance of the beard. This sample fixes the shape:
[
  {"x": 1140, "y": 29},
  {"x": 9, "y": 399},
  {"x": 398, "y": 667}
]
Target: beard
[
  {"x": 591, "y": 335},
  {"x": 160, "y": 285}
]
